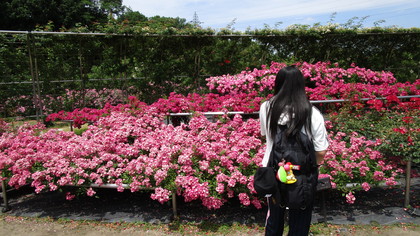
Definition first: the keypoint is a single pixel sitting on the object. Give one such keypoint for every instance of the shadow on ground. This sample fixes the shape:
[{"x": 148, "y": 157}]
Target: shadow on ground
[{"x": 379, "y": 205}]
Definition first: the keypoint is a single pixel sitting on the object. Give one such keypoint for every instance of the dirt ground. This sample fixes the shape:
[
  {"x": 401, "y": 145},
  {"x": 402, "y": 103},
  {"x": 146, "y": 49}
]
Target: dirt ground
[
  {"x": 25, "y": 228},
  {"x": 18, "y": 226},
  {"x": 377, "y": 212}
]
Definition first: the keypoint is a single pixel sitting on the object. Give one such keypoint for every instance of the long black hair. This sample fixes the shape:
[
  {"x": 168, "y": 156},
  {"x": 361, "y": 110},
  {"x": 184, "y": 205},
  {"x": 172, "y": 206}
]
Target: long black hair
[{"x": 290, "y": 99}]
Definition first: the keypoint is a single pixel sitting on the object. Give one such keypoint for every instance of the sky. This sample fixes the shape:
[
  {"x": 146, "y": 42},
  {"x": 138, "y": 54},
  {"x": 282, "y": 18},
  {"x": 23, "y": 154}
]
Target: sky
[{"x": 254, "y": 14}]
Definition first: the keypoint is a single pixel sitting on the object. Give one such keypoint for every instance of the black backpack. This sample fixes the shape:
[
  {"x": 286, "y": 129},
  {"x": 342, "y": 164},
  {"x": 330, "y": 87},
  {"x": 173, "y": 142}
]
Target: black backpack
[{"x": 300, "y": 152}]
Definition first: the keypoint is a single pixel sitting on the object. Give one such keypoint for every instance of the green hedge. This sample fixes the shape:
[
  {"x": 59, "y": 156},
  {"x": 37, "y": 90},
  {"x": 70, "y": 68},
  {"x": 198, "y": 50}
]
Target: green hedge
[{"x": 162, "y": 60}]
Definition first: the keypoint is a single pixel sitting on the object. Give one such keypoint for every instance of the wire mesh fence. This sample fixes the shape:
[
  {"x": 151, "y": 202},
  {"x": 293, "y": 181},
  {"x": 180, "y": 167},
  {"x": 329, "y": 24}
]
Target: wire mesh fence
[{"x": 43, "y": 72}]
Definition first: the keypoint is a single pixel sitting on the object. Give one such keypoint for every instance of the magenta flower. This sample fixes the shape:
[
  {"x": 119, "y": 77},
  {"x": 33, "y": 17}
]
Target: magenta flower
[
  {"x": 365, "y": 186},
  {"x": 161, "y": 195},
  {"x": 350, "y": 198},
  {"x": 90, "y": 192}
]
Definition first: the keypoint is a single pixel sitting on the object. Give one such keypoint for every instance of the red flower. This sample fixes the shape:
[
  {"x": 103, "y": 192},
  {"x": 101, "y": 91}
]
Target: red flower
[
  {"x": 400, "y": 130},
  {"x": 377, "y": 104},
  {"x": 358, "y": 105},
  {"x": 408, "y": 119},
  {"x": 410, "y": 140},
  {"x": 393, "y": 98}
]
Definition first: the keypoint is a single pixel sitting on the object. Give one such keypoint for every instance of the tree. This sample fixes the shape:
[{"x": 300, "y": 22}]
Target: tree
[
  {"x": 27, "y": 14},
  {"x": 111, "y": 8},
  {"x": 196, "y": 21},
  {"x": 132, "y": 16},
  {"x": 162, "y": 22}
]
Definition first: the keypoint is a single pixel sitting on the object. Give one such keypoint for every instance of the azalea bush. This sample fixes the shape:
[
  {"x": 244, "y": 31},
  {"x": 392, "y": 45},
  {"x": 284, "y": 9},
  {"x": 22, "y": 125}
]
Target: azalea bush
[
  {"x": 93, "y": 98},
  {"x": 71, "y": 99},
  {"x": 209, "y": 102},
  {"x": 352, "y": 162},
  {"x": 202, "y": 160},
  {"x": 394, "y": 121},
  {"x": 325, "y": 81},
  {"x": 387, "y": 128},
  {"x": 207, "y": 161},
  {"x": 4, "y": 127},
  {"x": 317, "y": 74},
  {"x": 131, "y": 146},
  {"x": 240, "y": 92},
  {"x": 247, "y": 90},
  {"x": 175, "y": 103},
  {"x": 91, "y": 115},
  {"x": 403, "y": 141}
]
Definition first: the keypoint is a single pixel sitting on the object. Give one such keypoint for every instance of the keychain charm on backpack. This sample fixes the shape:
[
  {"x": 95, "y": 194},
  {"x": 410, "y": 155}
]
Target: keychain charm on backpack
[{"x": 285, "y": 172}]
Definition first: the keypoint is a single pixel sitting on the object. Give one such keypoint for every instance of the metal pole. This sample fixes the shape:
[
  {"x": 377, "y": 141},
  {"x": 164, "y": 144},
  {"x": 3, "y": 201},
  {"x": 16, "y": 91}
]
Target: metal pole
[
  {"x": 125, "y": 65},
  {"x": 82, "y": 77},
  {"x": 196, "y": 75},
  {"x": 38, "y": 90},
  {"x": 31, "y": 67}
]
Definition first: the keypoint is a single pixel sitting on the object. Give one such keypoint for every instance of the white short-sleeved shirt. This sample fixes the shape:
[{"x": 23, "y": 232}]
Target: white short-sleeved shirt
[{"x": 319, "y": 133}]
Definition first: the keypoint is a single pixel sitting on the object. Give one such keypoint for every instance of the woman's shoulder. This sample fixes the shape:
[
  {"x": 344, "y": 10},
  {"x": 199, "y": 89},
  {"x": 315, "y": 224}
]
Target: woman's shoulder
[
  {"x": 265, "y": 105},
  {"x": 266, "y": 102},
  {"x": 316, "y": 113}
]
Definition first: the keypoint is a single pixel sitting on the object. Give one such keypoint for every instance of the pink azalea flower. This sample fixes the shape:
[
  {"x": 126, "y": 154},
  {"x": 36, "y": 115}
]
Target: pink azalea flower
[
  {"x": 350, "y": 198},
  {"x": 90, "y": 192},
  {"x": 70, "y": 196},
  {"x": 365, "y": 186}
]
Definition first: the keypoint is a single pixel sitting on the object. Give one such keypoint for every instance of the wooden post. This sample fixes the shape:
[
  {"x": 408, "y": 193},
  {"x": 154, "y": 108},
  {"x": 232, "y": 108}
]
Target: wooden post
[
  {"x": 4, "y": 194},
  {"x": 324, "y": 208},
  {"x": 407, "y": 183},
  {"x": 174, "y": 206}
]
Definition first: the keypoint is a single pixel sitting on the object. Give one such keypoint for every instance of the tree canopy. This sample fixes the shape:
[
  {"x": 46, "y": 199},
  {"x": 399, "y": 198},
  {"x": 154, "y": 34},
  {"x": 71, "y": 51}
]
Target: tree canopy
[{"x": 67, "y": 14}]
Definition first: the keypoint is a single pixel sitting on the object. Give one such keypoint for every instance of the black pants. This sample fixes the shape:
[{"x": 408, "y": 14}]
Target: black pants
[{"x": 299, "y": 220}]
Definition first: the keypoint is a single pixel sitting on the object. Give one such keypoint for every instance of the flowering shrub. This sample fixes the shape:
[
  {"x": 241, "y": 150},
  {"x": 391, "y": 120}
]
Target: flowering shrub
[
  {"x": 203, "y": 161},
  {"x": 129, "y": 145},
  {"x": 241, "y": 92},
  {"x": 357, "y": 161},
  {"x": 355, "y": 91},
  {"x": 17, "y": 106},
  {"x": 247, "y": 81},
  {"x": 403, "y": 142},
  {"x": 4, "y": 127},
  {"x": 393, "y": 121},
  {"x": 325, "y": 81},
  {"x": 320, "y": 74},
  {"x": 177, "y": 103},
  {"x": 325, "y": 73},
  {"x": 70, "y": 100},
  {"x": 250, "y": 102},
  {"x": 90, "y": 115},
  {"x": 95, "y": 98}
]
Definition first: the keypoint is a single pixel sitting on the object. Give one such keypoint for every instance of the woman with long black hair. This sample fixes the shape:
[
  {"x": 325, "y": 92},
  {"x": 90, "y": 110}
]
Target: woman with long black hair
[{"x": 290, "y": 108}]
